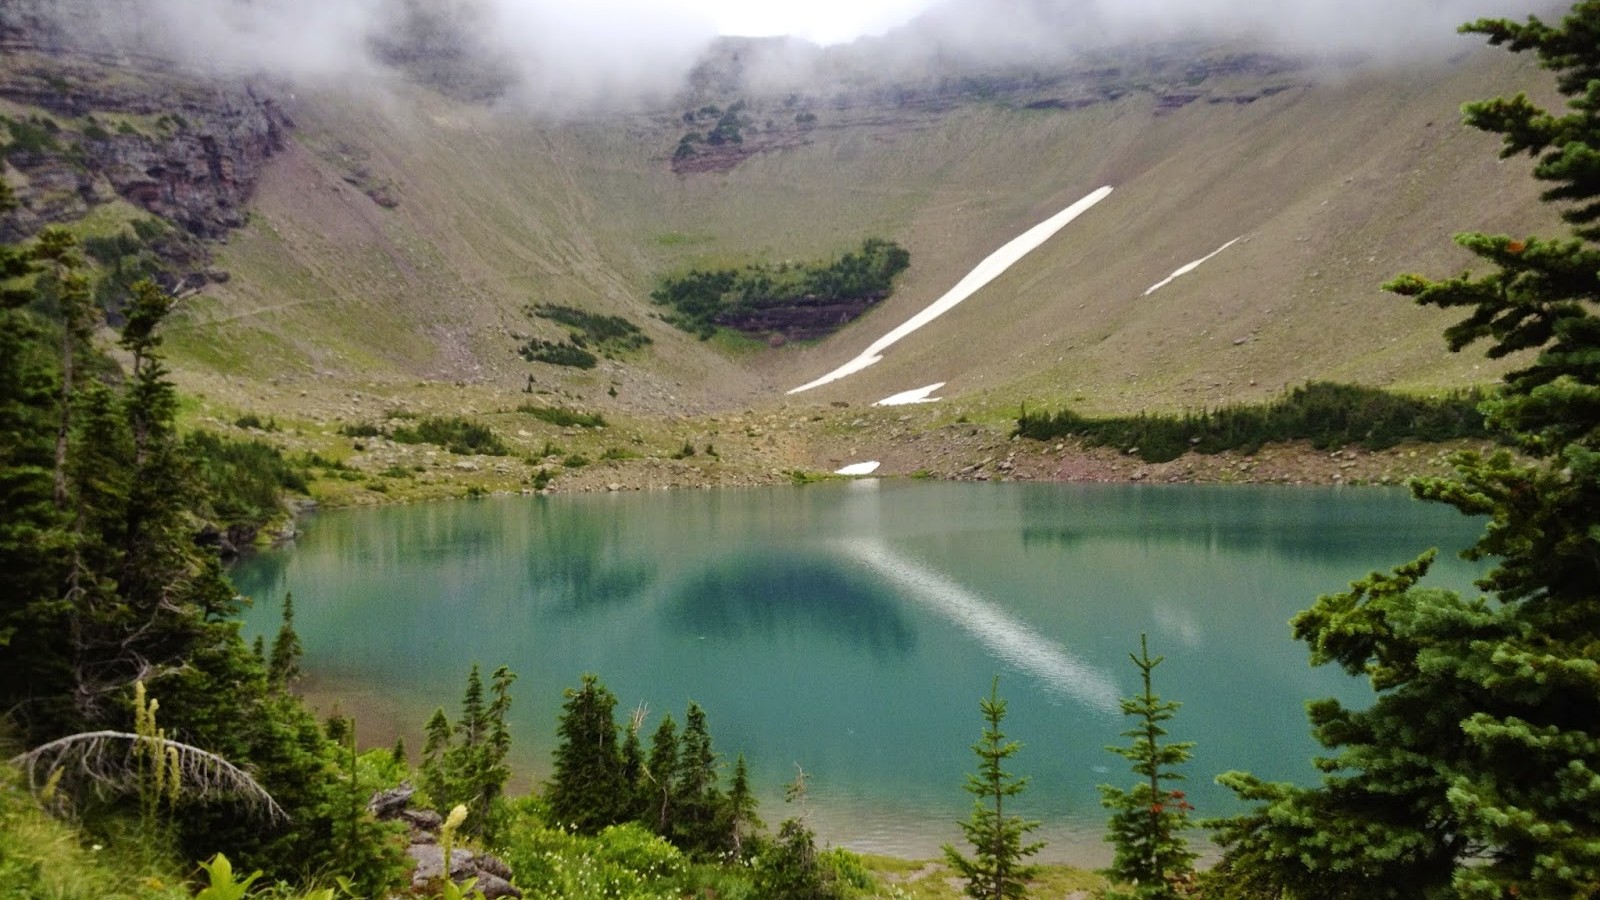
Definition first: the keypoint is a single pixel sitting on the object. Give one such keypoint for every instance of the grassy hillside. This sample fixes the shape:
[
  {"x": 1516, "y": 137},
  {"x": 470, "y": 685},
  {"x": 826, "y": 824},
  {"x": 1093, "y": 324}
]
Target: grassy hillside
[{"x": 1332, "y": 186}]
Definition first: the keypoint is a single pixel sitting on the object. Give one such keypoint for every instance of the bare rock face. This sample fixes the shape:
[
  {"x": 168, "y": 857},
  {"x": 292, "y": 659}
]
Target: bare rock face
[{"x": 108, "y": 124}]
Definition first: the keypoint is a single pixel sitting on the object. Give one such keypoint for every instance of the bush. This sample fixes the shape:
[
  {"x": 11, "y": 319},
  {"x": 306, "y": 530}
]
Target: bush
[
  {"x": 458, "y": 435},
  {"x": 1327, "y": 415},
  {"x": 558, "y": 353},
  {"x": 612, "y": 332},
  {"x": 622, "y": 861}
]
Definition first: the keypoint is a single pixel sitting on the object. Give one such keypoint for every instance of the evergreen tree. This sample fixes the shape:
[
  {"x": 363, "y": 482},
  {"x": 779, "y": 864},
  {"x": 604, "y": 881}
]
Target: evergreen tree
[
  {"x": 655, "y": 788},
  {"x": 742, "y": 823},
  {"x": 435, "y": 755},
  {"x": 636, "y": 803},
  {"x": 283, "y": 669},
  {"x": 102, "y": 587},
  {"x": 697, "y": 802},
  {"x": 995, "y": 871},
  {"x": 586, "y": 788},
  {"x": 464, "y": 763},
  {"x": 1148, "y": 821},
  {"x": 1476, "y": 770}
]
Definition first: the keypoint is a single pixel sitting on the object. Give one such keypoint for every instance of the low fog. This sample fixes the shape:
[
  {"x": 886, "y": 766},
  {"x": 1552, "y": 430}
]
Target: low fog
[{"x": 568, "y": 57}]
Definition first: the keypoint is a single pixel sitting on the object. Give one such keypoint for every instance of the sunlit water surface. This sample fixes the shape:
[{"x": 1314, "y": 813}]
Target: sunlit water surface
[{"x": 851, "y": 628}]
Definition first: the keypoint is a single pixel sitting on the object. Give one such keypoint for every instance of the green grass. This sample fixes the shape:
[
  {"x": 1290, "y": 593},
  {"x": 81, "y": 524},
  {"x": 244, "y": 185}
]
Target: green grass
[
  {"x": 562, "y": 416},
  {"x": 43, "y": 857}
]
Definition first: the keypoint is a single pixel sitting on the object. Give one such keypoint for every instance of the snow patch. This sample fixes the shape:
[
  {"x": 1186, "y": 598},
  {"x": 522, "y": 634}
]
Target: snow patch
[
  {"x": 861, "y": 468},
  {"x": 988, "y": 270},
  {"x": 1189, "y": 267},
  {"x": 904, "y": 398}
]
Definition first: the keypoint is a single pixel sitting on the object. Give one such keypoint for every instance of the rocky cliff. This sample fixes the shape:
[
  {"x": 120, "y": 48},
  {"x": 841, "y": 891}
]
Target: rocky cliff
[{"x": 82, "y": 126}]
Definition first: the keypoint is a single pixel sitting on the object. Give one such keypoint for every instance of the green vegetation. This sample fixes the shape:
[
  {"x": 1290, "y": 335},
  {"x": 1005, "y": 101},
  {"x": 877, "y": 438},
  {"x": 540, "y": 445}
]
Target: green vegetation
[
  {"x": 703, "y": 300},
  {"x": 33, "y": 135},
  {"x": 659, "y": 821},
  {"x": 1327, "y": 415},
  {"x": 562, "y": 417},
  {"x": 609, "y": 333},
  {"x": 557, "y": 353},
  {"x": 242, "y": 482},
  {"x": 727, "y": 127},
  {"x": 464, "y": 764},
  {"x": 103, "y": 593},
  {"x": 1475, "y": 769},
  {"x": 1149, "y": 820},
  {"x": 461, "y": 436},
  {"x": 996, "y": 870}
]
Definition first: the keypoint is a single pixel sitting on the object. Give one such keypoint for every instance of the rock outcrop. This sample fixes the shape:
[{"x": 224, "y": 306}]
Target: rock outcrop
[
  {"x": 491, "y": 875},
  {"x": 96, "y": 124}
]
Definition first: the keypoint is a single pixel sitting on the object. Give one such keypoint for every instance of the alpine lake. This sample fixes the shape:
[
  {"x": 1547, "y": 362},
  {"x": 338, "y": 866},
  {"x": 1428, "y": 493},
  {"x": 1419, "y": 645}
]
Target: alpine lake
[{"x": 850, "y": 628}]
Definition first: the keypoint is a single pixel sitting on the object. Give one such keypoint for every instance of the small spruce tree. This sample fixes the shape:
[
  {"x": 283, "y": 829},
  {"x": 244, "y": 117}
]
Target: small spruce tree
[
  {"x": 1148, "y": 820},
  {"x": 995, "y": 871},
  {"x": 587, "y": 788}
]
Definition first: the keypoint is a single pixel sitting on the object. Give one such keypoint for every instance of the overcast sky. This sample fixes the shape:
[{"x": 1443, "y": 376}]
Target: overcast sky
[
  {"x": 571, "y": 53},
  {"x": 820, "y": 21}
]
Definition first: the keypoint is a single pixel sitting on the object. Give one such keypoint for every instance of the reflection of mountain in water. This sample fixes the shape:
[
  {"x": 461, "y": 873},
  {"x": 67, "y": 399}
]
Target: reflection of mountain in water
[
  {"x": 1293, "y": 523},
  {"x": 585, "y": 561},
  {"x": 764, "y": 595}
]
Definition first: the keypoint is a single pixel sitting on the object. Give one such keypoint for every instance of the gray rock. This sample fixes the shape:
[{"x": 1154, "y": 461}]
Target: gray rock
[
  {"x": 430, "y": 863},
  {"x": 391, "y": 804},
  {"x": 494, "y": 886}
]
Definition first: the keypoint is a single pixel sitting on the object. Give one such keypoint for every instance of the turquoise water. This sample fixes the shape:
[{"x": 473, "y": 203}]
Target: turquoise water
[{"x": 852, "y": 627}]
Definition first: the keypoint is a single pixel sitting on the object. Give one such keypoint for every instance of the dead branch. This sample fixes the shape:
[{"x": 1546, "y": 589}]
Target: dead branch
[{"x": 96, "y": 756}]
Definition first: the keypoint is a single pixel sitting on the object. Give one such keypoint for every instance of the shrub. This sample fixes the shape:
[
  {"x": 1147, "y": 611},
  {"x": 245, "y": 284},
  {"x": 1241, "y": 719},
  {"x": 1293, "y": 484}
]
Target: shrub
[
  {"x": 558, "y": 353},
  {"x": 458, "y": 435},
  {"x": 1327, "y": 415}
]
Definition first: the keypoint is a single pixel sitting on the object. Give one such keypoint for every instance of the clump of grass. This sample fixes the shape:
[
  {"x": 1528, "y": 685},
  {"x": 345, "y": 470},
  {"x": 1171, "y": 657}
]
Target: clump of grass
[
  {"x": 562, "y": 417},
  {"x": 360, "y": 430},
  {"x": 575, "y": 461}
]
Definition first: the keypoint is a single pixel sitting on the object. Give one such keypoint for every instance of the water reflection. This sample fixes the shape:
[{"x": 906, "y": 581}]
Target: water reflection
[
  {"x": 852, "y": 627},
  {"x": 580, "y": 561},
  {"x": 772, "y": 596}
]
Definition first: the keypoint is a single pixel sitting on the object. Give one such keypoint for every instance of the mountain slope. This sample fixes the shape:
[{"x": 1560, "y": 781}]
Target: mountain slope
[{"x": 398, "y": 236}]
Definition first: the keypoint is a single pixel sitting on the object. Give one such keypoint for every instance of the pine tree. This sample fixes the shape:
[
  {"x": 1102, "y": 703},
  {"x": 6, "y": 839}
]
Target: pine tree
[
  {"x": 741, "y": 822},
  {"x": 636, "y": 802},
  {"x": 697, "y": 803},
  {"x": 995, "y": 871},
  {"x": 587, "y": 785},
  {"x": 1476, "y": 770},
  {"x": 1149, "y": 819},
  {"x": 655, "y": 788},
  {"x": 435, "y": 760},
  {"x": 283, "y": 667}
]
